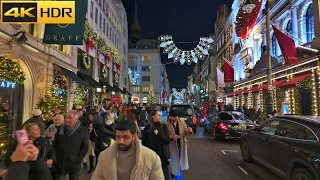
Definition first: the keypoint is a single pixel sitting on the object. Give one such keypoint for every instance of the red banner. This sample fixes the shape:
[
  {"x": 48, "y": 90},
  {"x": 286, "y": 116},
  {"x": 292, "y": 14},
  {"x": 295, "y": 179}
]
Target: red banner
[
  {"x": 106, "y": 59},
  {"x": 287, "y": 46},
  {"x": 164, "y": 94},
  {"x": 228, "y": 72},
  {"x": 89, "y": 45}
]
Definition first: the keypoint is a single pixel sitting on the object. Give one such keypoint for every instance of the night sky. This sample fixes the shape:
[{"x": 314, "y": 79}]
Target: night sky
[{"x": 185, "y": 20}]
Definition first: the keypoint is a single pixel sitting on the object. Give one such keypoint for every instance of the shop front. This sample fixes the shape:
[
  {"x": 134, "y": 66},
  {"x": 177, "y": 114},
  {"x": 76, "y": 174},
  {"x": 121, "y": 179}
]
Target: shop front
[{"x": 295, "y": 89}]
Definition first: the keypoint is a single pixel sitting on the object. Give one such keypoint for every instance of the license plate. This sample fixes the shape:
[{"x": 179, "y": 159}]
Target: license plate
[{"x": 240, "y": 127}]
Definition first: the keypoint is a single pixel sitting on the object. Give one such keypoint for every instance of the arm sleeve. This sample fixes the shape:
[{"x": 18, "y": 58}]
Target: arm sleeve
[
  {"x": 164, "y": 135},
  {"x": 145, "y": 137},
  {"x": 156, "y": 171},
  {"x": 98, "y": 172},
  {"x": 21, "y": 167},
  {"x": 84, "y": 145}
]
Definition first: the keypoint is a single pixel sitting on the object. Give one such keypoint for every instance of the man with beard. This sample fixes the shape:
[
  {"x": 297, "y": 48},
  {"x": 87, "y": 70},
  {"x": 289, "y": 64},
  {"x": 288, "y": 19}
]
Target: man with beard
[{"x": 127, "y": 159}]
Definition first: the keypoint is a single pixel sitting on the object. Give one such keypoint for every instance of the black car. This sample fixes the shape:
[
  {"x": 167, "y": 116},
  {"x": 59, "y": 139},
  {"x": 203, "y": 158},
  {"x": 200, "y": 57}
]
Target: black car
[
  {"x": 287, "y": 145},
  {"x": 228, "y": 125},
  {"x": 186, "y": 113}
]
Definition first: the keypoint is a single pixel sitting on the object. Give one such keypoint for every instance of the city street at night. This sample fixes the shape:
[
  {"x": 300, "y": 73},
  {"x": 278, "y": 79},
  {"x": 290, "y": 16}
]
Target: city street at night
[{"x": 217, "y": 160}]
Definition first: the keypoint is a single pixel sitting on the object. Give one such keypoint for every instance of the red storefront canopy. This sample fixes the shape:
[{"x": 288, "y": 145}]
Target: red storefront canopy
[
  {"x": 295, "y": 80},
  {"x": 265, "y": 86}
]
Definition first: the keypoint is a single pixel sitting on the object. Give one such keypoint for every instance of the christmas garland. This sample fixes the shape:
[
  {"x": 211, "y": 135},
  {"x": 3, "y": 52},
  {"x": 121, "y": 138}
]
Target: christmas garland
[
  {"x": 304, "y": 84},
  {"x": 58, "y": 97},
  {"x": 116, "y": 78},
  {"x": 101, "y": 43},
  {"x": 86, "y": 61},
  {"x": 11, "y": 71},
  {"x": 104, "y": 72}
]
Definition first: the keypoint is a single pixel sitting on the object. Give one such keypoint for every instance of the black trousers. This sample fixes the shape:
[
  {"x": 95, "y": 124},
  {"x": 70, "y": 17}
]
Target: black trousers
[{"x": 72, "y": 176}]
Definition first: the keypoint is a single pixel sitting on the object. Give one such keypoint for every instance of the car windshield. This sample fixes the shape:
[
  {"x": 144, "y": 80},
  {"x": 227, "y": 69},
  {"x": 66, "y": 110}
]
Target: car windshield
[
  {"x": 241, "y": 117},
  {"x": 183, "y": 110}
]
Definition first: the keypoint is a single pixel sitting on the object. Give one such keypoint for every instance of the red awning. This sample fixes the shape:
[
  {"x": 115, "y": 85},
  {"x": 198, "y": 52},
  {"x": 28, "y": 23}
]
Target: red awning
[
  {"x": 230, "y": 94},
  {"x": 241, "y": 91},
  {"x": 265, "y": 86},
  {"x": 295, "y": 80}
]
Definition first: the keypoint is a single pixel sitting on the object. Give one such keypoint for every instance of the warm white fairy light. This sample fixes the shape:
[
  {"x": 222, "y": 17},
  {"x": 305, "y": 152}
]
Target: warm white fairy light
[
  {"x": 314, "y": 94},
  {"x": 293, "y": 100},
  {"x": 275, "y": 99}
]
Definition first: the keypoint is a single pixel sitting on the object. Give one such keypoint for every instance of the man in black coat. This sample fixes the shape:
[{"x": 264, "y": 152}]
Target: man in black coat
[{"x": 71, "y": 146}]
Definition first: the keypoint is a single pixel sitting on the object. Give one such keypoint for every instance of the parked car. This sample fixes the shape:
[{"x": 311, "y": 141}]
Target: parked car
[
  {"x": 186, "y": 113},
  {"x": 228, "y": 125},
  {"x": 287, "y": 145}
]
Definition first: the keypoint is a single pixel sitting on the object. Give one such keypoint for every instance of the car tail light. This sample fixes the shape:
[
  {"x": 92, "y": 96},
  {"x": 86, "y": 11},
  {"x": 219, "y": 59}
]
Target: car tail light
[
  {"x": 194, "y": 120},
  {"x": 223, "y": 126}
]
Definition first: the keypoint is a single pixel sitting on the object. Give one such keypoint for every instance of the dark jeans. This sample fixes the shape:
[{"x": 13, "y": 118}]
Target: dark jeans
[
  {"x": 165, "y": 170},
  {"x": 72, "y": 176}
]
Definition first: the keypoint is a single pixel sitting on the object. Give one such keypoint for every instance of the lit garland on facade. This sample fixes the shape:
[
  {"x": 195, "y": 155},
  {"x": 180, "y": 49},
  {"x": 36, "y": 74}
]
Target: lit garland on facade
[
  {"x": 104, "y": 72},
  {"x": 101, "y": 43},
  {"x": 309, "y": 84},
  {"x": 58, "y": 97},
  {"x": 80, "y": 94},
  {"x": 314, "y": 94},
  {"x": 86, "y": 61},
  {"x": 11, "y": 71},
  {"x": 182, "y": 56}
]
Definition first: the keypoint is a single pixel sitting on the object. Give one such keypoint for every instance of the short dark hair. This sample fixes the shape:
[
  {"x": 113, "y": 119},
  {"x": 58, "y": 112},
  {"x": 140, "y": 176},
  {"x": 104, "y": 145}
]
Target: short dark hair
[
  {"x": 173, "y": 113},
  {"x": 124, "y": 125}
]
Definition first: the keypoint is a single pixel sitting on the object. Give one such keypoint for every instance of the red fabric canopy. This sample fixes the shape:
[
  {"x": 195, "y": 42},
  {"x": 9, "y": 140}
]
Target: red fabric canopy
[
  {"x": 295, "y": 80},
  {"x": 265, "y": 86}
]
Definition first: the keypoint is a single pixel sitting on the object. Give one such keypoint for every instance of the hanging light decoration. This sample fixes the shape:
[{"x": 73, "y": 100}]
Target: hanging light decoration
[
  {"x": 133, "y": 76},
  {"x": 199, "y": 52}
]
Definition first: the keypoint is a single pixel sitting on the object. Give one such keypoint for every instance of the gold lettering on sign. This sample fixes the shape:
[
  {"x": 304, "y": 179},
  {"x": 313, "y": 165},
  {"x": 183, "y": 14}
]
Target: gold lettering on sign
[
  {"x": 55, "y": 37},
  {"x": 62, "y": 38},
  {"x": 77, "y": 38},
  {"x": 70, "y": 37},
  {"x": 48, "y": 37}
]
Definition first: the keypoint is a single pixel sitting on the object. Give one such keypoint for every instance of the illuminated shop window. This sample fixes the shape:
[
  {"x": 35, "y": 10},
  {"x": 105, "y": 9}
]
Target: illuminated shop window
[{"x": 146, "y": 58}]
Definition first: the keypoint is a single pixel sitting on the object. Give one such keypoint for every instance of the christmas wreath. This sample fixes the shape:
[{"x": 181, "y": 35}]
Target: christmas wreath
[
  {"x": 86, "y": 62},
  {"x": 104, "y": 72}
]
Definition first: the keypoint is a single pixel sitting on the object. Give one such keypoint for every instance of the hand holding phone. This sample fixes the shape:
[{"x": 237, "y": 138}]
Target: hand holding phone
[{"x": 22, "y": 136}]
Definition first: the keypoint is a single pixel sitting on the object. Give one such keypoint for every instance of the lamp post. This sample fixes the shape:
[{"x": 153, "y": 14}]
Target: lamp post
[
  {"x": 269, "y": 70},
  {"x": 248, "y": 8}
]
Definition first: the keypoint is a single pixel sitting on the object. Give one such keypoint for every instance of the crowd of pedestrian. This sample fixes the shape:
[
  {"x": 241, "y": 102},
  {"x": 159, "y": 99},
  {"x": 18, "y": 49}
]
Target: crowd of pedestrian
[{"x": 112, "y": 141}]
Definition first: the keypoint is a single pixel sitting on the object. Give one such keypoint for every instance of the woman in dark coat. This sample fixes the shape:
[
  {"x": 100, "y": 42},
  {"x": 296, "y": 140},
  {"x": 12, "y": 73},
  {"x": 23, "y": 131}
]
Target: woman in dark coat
[{"x": 156, "y": 137}]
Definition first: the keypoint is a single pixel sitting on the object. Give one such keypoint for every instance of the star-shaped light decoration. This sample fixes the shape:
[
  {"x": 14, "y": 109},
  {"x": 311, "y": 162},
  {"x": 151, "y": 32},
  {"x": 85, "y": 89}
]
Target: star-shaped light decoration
[{"x": 199, "y": 52}]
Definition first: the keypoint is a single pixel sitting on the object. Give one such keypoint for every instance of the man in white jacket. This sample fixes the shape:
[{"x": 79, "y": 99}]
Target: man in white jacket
[{"x": 127, "y": 159}]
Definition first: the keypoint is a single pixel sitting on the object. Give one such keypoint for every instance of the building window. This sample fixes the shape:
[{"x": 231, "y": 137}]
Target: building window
[
  {"x": 91, "y": 10},
  {"x": 309, "y": 23},
  {"x": 146, "y": 78},
  {"x": 146, "y": 58},
  {"x": 145, "y": 89},
  {"x": 32, "y": 29},
  {"x": 274, "y": 45},
  {"x": 110, "y": 32},
  {"x": 146, "y": 68},
  {"x": 289, "y": 27},
  {"x": 62, "y": 48},
  {"x": 107, "y": 29},
  {"x": 100, "y": 23},
  {"x": 104, "y": 25},
  {"x": 136, "y": 89},
  {"x": 96, "y": 16},
  {"x": 104, "y": 6}
]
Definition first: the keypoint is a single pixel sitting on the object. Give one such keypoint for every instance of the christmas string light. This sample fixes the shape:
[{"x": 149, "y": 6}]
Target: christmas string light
[
  {"x": 199, "y": 52},
  {"x": 314, "y": 94},
  {"x": 133, "y": 76}
]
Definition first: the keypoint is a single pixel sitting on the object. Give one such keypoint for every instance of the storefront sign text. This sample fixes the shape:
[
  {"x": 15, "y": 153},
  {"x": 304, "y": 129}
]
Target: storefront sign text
[{"x": 7, "y": 84}]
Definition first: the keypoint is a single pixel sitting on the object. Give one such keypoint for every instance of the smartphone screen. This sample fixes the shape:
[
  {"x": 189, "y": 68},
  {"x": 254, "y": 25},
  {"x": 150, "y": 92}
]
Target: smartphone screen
[{"x": 22, "y": 136}]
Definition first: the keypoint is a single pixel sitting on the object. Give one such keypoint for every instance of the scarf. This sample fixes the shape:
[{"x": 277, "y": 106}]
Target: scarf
[{"x": 73, "y": 129}]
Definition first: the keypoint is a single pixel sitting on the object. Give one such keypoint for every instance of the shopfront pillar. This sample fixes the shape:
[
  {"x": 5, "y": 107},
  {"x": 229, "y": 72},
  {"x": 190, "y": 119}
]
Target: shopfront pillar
[
  {"x": 316, "y": 14},
  {"x": 294, "y": 22}
]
